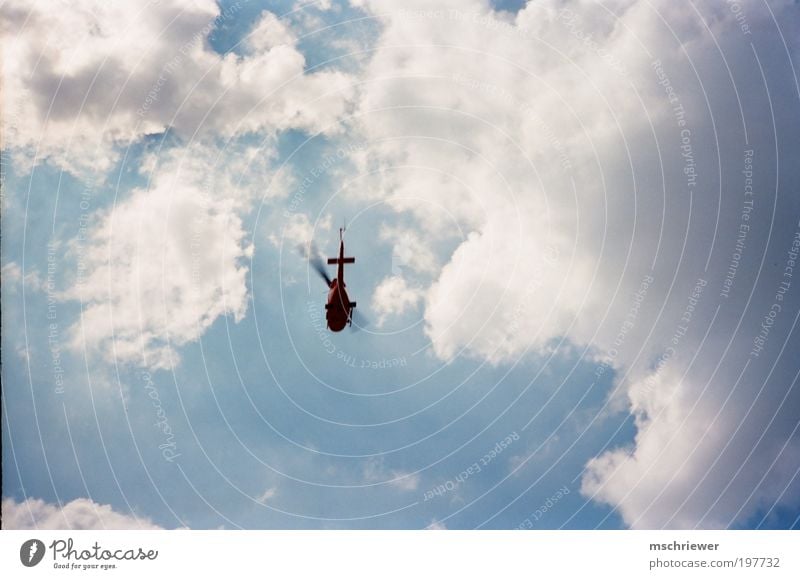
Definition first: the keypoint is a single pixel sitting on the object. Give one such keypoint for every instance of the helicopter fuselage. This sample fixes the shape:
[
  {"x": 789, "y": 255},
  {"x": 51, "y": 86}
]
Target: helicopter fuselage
[{"x": 339, "y": 309}]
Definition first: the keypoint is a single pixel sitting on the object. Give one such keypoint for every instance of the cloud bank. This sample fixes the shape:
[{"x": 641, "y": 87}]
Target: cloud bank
[
  {"x": 79, "y": 514},
  {"x": 83, "y": 82},
  {"x": 597, "y": 155}
]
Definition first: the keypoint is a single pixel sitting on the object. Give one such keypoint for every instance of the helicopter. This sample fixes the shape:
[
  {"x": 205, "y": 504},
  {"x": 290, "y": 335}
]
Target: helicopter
[{"x": 339, "y": 308}]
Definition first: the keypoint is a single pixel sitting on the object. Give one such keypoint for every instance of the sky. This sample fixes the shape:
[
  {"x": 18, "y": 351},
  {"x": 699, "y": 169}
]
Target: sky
[{"x": 576, "y": 228}]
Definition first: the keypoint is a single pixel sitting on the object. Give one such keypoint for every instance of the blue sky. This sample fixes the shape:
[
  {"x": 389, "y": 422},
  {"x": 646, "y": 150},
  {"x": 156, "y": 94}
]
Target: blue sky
[{"x": 548, "y": 345}]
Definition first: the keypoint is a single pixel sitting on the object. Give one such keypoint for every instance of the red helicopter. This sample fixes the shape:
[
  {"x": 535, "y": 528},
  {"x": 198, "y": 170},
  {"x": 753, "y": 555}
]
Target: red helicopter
[{"x": 339, "y": 309}]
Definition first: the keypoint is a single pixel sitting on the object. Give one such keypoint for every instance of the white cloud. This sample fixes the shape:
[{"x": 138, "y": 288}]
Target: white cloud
[
  {"x": 376, "y": 472},
  {"x": 164, "y": 263},
  {"x": 394, "y": 297},
  {"x": 268, "y": 494},
  {"x": 11, "y": 272},
  {"x": 479, "y": 137},
  {"x": 12, "y": 276},
  {"x": 409, "y": 251},
  {"x": 84, "y": 78},
  {"x": 550, "y": 141},
  {"x": 238, "y": 173},
  {"x": 161, "y": 266},
  {"x": 692, "y": 463},
  {"x": 298, "y": 230},
  {"x": 79, "y": 514}
]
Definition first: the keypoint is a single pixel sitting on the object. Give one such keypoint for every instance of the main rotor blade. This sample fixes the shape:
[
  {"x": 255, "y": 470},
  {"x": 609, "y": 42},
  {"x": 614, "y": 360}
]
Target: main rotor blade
[{"x": 311, "y": 253}]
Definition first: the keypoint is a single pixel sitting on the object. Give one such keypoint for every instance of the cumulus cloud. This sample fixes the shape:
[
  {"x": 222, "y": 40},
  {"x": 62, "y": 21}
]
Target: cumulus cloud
[
  {"x": 409, "y": 251},
  {"x": 12, "y": 276},
  {"x": 588, "y": 157},
  {"x": 693, "y": 464},
  {"x": 156, "y": 270},
  {"x": 161, "y": 266},
  {"x": 298, "y": 230},
  {"x": 394, "y": 297},
  {"x": 78, "y": 514},
  {"x": 413, "y": 264},
  {"x": 497, "y": 151},
  {"x": 84, "y": 79}
]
